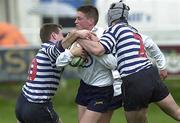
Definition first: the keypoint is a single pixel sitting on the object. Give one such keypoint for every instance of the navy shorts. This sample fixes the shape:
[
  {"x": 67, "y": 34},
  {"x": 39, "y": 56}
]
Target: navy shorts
[
  {"x": 142, "y": 88},
  {"x": 94, "y": 98},
  {"x": 27, "y": 112},
  {"x": 115, "y": 103}
]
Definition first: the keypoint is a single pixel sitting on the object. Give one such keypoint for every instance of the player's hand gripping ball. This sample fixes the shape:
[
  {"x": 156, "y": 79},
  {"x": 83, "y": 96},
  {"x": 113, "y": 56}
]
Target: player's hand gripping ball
[{"x": 76, "y": 61}]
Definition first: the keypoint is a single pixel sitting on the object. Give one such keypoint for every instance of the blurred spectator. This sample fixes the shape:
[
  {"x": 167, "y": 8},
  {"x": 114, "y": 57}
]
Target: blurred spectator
[{"x": 10, "y": 36}]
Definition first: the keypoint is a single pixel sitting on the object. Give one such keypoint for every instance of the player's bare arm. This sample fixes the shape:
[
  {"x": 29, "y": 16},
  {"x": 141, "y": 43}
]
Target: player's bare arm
[
  {"x": 73, "y": 36},
  {"x": 92, "y": 45},
  {"x": 77, "y": 51}
]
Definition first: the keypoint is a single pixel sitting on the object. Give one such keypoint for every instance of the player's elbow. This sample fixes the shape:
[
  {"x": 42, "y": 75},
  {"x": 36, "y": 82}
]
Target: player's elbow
[{"x": 112, "y": 64}]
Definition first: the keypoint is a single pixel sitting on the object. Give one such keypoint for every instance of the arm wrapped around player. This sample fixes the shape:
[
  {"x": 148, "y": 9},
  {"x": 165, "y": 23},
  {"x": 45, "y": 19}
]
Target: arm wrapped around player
[{"x": 73, "y": 36}]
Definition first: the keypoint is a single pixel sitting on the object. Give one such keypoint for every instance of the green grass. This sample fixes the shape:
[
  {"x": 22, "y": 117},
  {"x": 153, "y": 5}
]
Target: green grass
[{"x": 65, "y": 106}]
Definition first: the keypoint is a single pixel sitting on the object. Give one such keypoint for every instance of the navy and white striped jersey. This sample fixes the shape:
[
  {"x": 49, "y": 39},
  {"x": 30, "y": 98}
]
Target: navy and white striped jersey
[
  {"x": 44, "y": 76},
  {"x": 128, "y": 46}
]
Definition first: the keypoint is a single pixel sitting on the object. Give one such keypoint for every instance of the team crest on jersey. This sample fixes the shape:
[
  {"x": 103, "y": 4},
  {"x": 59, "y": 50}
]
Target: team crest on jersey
[{"x": 88, "y": 61}]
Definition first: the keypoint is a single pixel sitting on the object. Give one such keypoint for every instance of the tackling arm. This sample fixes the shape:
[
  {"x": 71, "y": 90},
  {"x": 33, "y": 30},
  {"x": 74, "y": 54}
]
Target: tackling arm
[
  {"x": 92, "y": 45},
  {"x": 73, "y": 36}
]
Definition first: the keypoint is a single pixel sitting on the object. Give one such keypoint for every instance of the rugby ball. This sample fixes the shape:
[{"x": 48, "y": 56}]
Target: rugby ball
[{"x": 76, "y": 62}]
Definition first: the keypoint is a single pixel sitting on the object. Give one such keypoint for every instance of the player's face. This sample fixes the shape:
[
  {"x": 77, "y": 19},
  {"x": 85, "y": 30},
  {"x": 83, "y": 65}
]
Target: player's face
[
  {"x": 58, "y": 36},
  {"x": 82, "y": 22}
]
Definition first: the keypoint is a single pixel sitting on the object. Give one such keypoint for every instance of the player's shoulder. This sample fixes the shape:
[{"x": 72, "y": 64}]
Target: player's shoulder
[
  {"x": 117, "y": 27},
  {"x": 98, "y": 30},
  {"x": 145, "y": 37},
  {"x": 47, "y": 44}
]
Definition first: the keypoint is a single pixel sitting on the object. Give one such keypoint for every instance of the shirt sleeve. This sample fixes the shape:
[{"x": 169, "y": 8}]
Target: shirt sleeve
[
  {"x": 53, "y": 51},
  {"x": 64, "y": 58},
  {"x": 108, "y": 41},
  {"x": 154, "y": 52}
]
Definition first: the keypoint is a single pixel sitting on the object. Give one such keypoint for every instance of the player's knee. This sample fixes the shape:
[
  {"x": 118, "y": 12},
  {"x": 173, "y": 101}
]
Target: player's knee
[
  {"x": 142, "y": 115},
  {"x": 139, "y": 116},
  {"x": 178, "y": 115}
]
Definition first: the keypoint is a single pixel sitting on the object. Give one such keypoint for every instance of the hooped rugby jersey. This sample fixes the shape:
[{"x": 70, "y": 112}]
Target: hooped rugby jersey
[
  {"x": 43, "y": 77},
  {"x": 129, "y": 48}
]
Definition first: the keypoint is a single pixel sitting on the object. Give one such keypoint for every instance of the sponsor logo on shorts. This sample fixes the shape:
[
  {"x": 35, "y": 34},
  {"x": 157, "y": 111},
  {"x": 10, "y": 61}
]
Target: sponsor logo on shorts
[{"x": 99, "y": 103}]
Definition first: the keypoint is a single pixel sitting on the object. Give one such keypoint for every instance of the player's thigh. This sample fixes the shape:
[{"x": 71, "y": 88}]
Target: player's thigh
[
  {"x": 81, "y": 111},
  {"x": 138, "y": 116},
  {"x": 106, "y": 117},
  {"x": 19, "y": 109},
  {"x": 90, "y": 117},
  {"x": 41, "y": 113},
  {"x": 115, "y": 103},
  {"x": 137, "y": 91},
  {"x": 168, "y": 105}
]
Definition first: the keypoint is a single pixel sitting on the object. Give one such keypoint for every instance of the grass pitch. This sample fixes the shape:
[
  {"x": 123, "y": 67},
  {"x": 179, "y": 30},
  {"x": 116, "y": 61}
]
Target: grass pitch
[{"x": 65, "y": 106}]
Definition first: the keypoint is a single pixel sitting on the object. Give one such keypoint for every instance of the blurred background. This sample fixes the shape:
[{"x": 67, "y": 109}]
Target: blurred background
[{"x": 20, "y": 21}]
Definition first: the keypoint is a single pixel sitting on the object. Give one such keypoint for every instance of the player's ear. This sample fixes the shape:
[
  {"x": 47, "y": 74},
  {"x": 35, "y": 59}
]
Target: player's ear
[{"x": 54, "y": 35}]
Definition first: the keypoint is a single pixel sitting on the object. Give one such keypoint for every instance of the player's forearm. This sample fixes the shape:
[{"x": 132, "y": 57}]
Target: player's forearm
[
  {"x": 157, "y": 55},
  {"x": 69, "y": 39},
  {"x": 92, "y": 47},
  {"x": 161, "y": 64}
]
